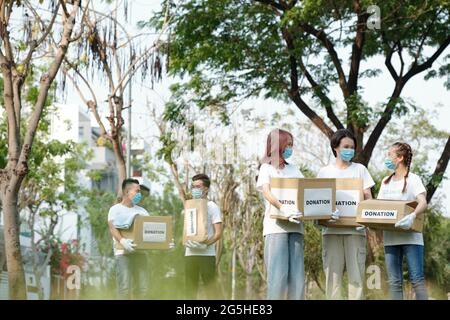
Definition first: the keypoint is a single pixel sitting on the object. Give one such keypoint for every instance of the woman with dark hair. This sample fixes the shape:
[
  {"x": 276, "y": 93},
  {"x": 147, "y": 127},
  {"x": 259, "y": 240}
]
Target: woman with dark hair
[
  {"x": 283, "y": 240},
  {"x": 345, "y": 248},
  {"x": 404, "y": 185}
]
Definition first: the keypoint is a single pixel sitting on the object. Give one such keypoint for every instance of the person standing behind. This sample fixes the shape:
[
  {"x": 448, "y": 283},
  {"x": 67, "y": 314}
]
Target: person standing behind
[
  {"x": 200, "y": 257},
  {"x": 131, "y": 266},
  {"x": 345, "y": 248},
  {"x": 283, "y": 240},
  {"x": 404, "y": 185}
]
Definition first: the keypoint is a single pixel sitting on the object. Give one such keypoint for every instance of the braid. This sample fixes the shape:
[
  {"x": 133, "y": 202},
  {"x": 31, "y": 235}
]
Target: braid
[
  {"x": 389, "y": 178},
  {"x": 408, "y": 161}
]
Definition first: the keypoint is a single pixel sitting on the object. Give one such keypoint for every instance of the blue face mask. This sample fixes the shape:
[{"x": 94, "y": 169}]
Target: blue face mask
[
  {"x": 137, "y": 198},
  {"x": 287, "y": 153},
  {"x": 197, "y": 193},
  {"x": 347, "y": 154},
  {"x": 389, "y": 163}
]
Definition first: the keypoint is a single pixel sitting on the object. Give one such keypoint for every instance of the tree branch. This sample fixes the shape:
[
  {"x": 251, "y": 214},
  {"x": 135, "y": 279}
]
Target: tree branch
[
  {"x": 439, "y": 171},
  {"x": 390, "y": 107},
  {"x": 294, "y": 93},
  {"x": 273, "y": 4},
  {"x": 357, "y": 48},
  {"x": 44, "y": 86},
  {"x": 418, "y": 68},
  {"x": 322, "y": 37},
  {"x": 388, "y": 60},
  {"x": 326, "y": 102}
]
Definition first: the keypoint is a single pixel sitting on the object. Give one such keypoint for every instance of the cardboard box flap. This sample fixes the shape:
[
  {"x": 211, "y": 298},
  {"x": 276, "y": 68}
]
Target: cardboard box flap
[
  {"x": 349, "y": 184},
  {"x": 284, "y": 183},
  {"x": 394, "y": 203}
]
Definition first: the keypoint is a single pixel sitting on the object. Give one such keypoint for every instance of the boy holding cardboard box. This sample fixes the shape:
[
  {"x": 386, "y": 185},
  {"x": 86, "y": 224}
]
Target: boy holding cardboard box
[
  {"x": 404, "y": 185},
  {"x": 132, "y": 273},
  {"x": 200, "y": 256},
  {"x": 345, "y": 247}
]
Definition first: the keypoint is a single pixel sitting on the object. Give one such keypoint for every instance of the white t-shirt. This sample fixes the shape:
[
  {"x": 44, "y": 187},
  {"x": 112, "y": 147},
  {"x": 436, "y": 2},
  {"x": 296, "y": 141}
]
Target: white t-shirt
[
  {"x": 266, "y": 172},
  {"x": 120, "y": 208},
  {"x": 353, "y": 171},
  {"x": 214, "y": 216},
  {"x": 393, "y": 191}
]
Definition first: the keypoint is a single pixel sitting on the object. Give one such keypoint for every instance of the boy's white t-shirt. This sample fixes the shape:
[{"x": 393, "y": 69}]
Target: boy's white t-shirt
[
  {"x": 213, "y": 216},
  {"x": 266, "y": 172},
  {"x": 353, "y": 171},
  {"x": 120, "y": 208},
  {"x": 393, "y": 191}
]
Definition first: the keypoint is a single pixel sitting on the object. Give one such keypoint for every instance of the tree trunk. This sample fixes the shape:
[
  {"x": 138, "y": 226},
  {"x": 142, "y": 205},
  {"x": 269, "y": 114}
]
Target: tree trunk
[
  {"x": 248, "y": 285},
  {"x": 120, "y": 163},
  {"x": 16, "y": 276}
]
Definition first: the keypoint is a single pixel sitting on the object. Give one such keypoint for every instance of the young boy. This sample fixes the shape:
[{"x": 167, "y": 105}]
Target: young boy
[{"x": 200, "y": 258}]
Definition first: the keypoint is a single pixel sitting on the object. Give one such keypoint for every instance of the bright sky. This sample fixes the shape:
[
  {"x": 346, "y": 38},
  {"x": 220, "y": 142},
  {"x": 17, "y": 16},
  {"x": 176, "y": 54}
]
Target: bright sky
[{"x": 428, "y": 94}]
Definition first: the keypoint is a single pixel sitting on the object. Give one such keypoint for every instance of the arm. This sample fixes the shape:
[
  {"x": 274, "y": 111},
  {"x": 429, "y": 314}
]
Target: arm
[
  {"x": 422, "y": 203},
  {"x": 270, "y": 197},
  {"x": 114, "y": 232},
  {"x": 367, "y": 194},
  {"x": 217, "y": 234}
]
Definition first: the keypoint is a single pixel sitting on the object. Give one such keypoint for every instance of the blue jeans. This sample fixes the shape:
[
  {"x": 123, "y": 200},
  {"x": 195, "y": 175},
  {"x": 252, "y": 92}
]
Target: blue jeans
[
  {"x": 394, "y": 264},
  {"x": 283, "y": 256},
  {"x": 132, "y": 276}
]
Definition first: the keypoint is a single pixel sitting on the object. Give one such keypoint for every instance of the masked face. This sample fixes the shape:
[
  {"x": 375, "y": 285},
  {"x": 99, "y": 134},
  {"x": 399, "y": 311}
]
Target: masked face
[
  {"x": 346, "y": 149},
  {"x": 134, "y": 194},
  {"x": 136, "y": 198},
  {"x": 391, "y": 161},
  {"x": 347, "y": 154},
  {"x": 197, "y": 193},
  {"x": 197, "y": 189},
  {"x": 287, "y": 153},
  {"x": 389, "y": 164}
]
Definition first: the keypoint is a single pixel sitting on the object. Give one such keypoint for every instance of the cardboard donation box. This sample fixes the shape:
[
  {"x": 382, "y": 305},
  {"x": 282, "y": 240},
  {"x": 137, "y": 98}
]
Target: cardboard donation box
[
  {"x": 314, "y": 197},
  {"x": 349, "y": 193},
  {"x": 149, "y": 232},
  {"x": 195, "y": 220},
  {"x": 383, "y": 214}
]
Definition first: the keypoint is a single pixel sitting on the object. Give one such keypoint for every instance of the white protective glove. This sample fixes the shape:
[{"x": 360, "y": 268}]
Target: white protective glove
[
  {"x": 292, "y": 214},
  {"x": 407, "y": 222},
  {"x": 334, "y": 216},
  {"x": 361, "y": 228},
  {"x": 295, "y": 217},
  {"x": 195, "y": 245},
  {"x": 128, "y": 244}
]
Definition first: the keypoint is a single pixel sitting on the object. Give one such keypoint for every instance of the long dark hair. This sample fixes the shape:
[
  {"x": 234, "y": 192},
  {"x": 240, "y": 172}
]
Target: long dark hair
[{"x": 402, "y": 149}]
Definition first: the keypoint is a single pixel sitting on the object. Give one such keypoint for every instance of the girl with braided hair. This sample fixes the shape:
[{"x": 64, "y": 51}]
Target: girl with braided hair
[{"x": 404, "y": 185}]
